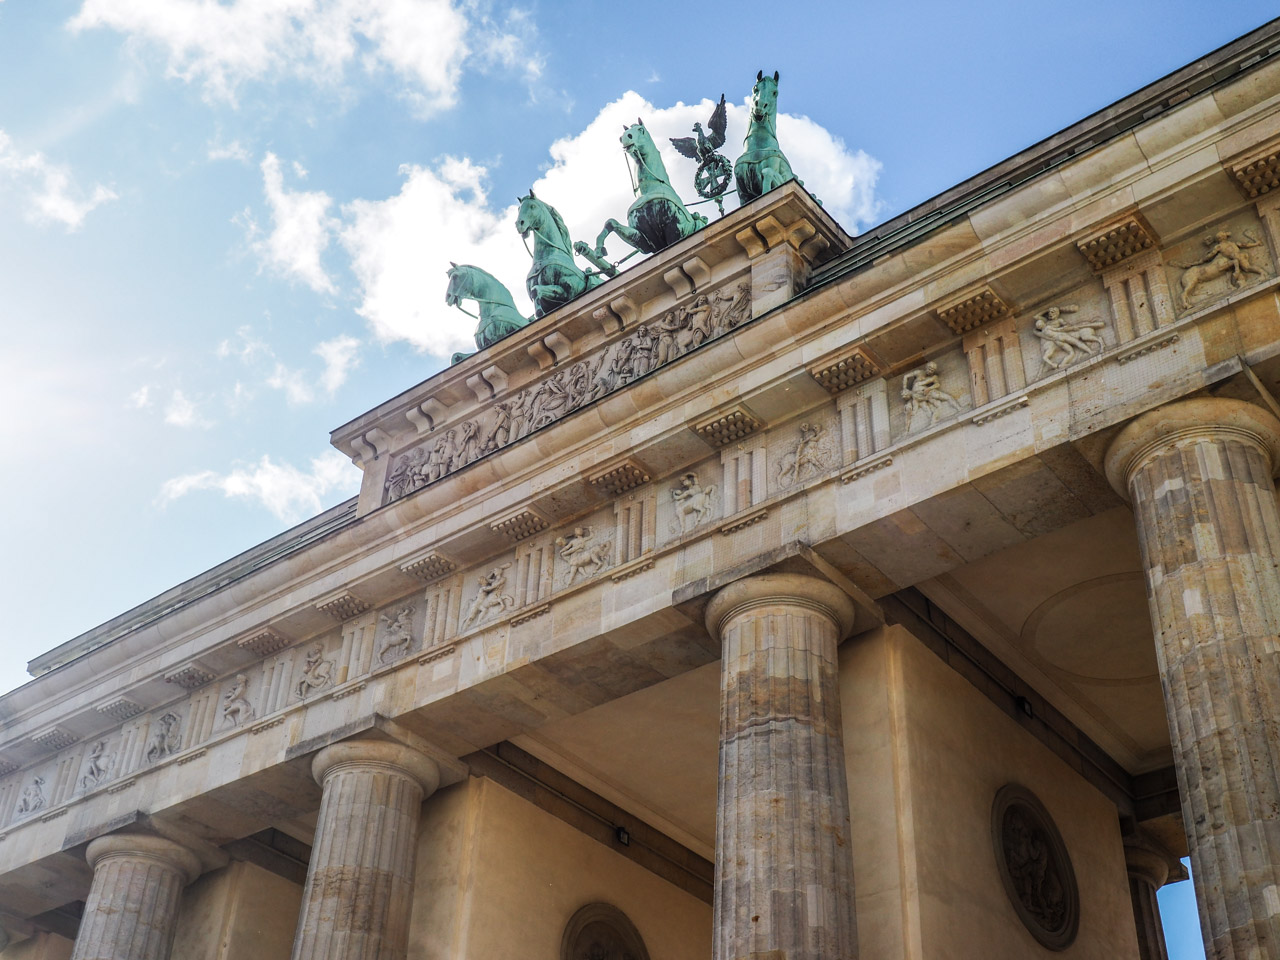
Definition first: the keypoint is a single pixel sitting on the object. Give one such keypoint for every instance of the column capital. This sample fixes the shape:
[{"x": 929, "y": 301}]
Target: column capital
[
  {"x": 1145, "y": 863},
  {"x": 141, "y": 846},
  {"x": 1187, "y": 421},
  {"x": 781, "y": 589},
  {"x": 377, "y": 754}
]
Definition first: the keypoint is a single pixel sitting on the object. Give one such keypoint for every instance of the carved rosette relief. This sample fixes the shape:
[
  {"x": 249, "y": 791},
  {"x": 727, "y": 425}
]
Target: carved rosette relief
[
  {"x": 583, "y": 553},
  {"x": 1063, "y": 340},
  {"x": 924, "y": 398},
  {"x": 649, "y": 346},
  {"x": 694, "y": 503},
  {"x": 1034, "y": 867},
  {"x": 165, "y": 739},
  {"x": 811, "y": 455}
]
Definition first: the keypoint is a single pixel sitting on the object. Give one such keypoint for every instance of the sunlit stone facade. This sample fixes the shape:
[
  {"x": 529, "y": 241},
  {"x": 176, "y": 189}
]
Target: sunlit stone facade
[{"x": 790, "y": 595}]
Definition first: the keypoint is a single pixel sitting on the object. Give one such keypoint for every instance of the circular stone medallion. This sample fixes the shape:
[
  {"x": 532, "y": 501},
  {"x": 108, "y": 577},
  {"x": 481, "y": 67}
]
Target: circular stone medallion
[{"x": 1034, "y": 866}]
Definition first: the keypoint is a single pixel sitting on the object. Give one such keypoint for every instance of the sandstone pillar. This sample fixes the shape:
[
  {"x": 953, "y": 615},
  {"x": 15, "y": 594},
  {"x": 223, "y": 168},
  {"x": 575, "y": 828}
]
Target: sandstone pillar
[
  {"x": 131, "y": 912},
  {"x": 1199, "y": 473},
  {"x": 360, "y": 880},
  {"x": 784, "y": 876},
  {"x": 1148, "y": 871}
]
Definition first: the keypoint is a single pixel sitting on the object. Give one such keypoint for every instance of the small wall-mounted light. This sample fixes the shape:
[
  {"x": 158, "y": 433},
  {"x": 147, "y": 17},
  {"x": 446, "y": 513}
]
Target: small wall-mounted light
[
  {"x": 1024, "y": 706},
  {"x": 623, "y": 836}
]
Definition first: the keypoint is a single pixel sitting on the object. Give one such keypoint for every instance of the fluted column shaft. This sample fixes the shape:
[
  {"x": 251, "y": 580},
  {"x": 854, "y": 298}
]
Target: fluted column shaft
[
  {"x": 784, "y": 875},
  {"x": 1199, "y": 473},
  {"x": 360, "y": 880},
  {"x": 1148, "y": 872},
  {"x": 132, "y": 909}
]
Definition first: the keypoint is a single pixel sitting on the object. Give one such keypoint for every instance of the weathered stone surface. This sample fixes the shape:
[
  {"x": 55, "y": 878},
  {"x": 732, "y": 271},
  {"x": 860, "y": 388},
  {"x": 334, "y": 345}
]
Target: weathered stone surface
[
  {"x": 1200, "y": 476},
  {"x": 360, "y": 880},
  {"x": 132, "y": 909},
  {"x": 784, "y": 882}
]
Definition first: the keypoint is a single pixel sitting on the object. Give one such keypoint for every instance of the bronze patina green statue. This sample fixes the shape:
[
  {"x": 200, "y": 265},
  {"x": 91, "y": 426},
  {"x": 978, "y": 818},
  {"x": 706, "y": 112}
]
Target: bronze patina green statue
[
  {"x": 762, "y": 165},
  {"x": 554, "y": 279},
  {"x": 658, "y": 217},
  {"x": 498, "y": 313},
  {"x": 712, "y": 177}
]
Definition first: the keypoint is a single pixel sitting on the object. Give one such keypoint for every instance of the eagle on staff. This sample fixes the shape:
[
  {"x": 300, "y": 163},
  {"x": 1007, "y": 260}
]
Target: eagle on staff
[{"x": 714, "y": 171}]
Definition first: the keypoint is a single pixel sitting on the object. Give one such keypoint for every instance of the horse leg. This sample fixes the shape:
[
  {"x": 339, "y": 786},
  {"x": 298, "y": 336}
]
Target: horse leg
[{"x": 626, "y": 234}]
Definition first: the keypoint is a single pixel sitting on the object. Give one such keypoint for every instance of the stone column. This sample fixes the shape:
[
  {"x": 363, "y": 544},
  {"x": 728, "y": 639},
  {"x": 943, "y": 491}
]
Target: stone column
[
  {"x": 1148, "y": 871},
  {"x": 132, "y": 909},
  {"x": 784, "y": 876},
  {"x": 1199, "y": 473},
  {"x": 360, "y": 880}
]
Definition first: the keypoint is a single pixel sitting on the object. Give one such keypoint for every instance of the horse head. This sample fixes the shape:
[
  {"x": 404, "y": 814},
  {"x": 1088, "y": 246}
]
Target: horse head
[
  {"x": 764, "y": 97},
  {"x": 635, "y": 138},
  {"x": 457, "y": 289}
]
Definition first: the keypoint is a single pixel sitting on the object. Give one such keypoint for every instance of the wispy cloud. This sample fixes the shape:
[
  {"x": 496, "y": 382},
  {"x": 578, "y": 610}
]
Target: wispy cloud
[
  {"x": 340, "y": 356},
  {"x": 234, "y": 150},
  {"x": 49, "y": 192},
  {"x": 181, "y": 411},
  {"x": 290, "y": 493},
  {"x": 301, "y": 228},
  {"x": 421, "y": 44}
]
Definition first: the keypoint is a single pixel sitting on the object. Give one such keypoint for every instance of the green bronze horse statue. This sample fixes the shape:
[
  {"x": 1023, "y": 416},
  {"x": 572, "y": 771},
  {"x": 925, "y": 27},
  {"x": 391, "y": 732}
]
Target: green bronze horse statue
[
  {"x": 762, "y": 165},
  {"x": 498, "y": 313},
  {"x": 554, "y": 279},
  {"x": 658, "y": 217}
]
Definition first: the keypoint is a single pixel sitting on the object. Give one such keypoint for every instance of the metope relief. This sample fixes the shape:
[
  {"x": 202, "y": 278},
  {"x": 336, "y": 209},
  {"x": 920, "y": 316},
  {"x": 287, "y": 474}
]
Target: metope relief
[
  {"x": 236, "y": 708},
  {"x": 694, "y": 501},
  {"x": 924, "y": 399},
  {"x": 397, "y": 634},
  {"x": 317, "y": 672},
  {"x": 583, "y": 554},
  {"x": 97, "y": 766},
  {"x": 165, "y": 739},
  {"x": 649, "y": 346},
  {"x": 812, "y": 454},
  {"x": 1228, "y": 259},
  {"x": 1063, "y": 340},
  {"x": 32, "y": 798},
  {"x": 491, "y": 599}
]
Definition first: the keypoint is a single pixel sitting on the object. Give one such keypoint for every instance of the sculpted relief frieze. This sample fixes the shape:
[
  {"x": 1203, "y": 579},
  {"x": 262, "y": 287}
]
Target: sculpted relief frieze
[
  {"x": 1227, "y": 259},
  {"x": 646, "y": 348}
]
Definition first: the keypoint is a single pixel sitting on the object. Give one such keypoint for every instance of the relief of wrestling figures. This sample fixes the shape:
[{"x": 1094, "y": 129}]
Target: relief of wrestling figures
[{"x": 649, "y": 346}]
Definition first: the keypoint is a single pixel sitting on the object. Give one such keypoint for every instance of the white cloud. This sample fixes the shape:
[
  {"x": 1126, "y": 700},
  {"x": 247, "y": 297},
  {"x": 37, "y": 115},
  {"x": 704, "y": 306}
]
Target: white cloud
[
  {"x": 246, "y": 346},
  {"x": 400, "y": 247},
  {"x": 48, "y": 189},
  {"x": 234, "y": 150},
  {"x": 301, "y": 228},
  {"x": 181, "y": 412},
  {"x": 340, "y": 356},
  {"x": 289, "y": 493},
  {"x": 294, "y": 383},
  {"x": 140, "y": 398},
  {"x": 422, "y": 44}
]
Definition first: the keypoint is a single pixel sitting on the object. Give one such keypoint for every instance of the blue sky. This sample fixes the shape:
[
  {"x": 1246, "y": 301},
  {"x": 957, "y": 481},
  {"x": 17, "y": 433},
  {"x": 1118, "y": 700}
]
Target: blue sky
[{"x": 224, "y": 226}]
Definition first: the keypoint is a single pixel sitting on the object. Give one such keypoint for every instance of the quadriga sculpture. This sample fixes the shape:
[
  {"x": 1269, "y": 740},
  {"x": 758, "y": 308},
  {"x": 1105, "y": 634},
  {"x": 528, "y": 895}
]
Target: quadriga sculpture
[
  {"x": 762, "y": 165},
  {"x": 658, "y": 217},
  {"x": 554, "y": 279},
  {"x": 498, "y": 313}
]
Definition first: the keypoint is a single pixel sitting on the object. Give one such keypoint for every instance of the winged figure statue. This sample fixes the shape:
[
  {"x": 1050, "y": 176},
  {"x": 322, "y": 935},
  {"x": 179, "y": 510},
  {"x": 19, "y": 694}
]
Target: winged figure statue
[{"x": 714, "y": 172}]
